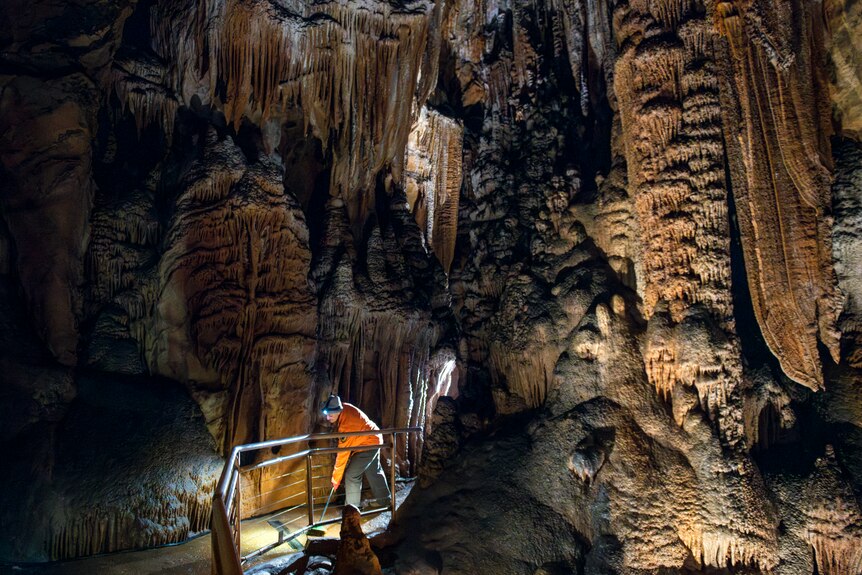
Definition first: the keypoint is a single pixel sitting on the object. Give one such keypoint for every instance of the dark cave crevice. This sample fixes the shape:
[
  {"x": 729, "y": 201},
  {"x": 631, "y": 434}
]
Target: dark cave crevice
[
  {"x": 136, "y": 30},
  {"x": 755, "y": 352}
]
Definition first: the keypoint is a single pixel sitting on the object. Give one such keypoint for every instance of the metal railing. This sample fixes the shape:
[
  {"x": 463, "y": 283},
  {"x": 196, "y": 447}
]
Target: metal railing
[{"x": 227, "y": 511}]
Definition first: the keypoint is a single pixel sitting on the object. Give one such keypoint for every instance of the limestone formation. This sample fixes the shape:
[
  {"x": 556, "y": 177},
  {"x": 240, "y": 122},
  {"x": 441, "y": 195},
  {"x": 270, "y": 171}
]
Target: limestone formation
[
  {"x": 433, "y": 180},
  {"x": 776, "y": 131},
  {"x": 605, "y": 254},
  {"x": 129, "y": 465},
  {"x": 379, "y": 325},
  {"x": 352, "y": 70},
  {"x": 443, "y": 442},
  {"x": 666, "y": 86},
  {"x": 847, "y": 242},
  {"x": 234, "y": 309},
  {"x": 355, "y": 556}
]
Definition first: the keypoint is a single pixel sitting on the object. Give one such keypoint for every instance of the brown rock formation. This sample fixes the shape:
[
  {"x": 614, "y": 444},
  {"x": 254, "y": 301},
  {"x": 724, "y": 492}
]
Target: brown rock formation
[
  {"x": 645, "y": 493},
  {"x": 234, "y": 304},
  {"x": 354, "y": 556},
  {"x": 378, "y": 326},
  {"x": 671, "y": 124},
  {"x": 433, "y": 180},
  {"x": 776, "y": 132},
  {"x": 353, "y": 72}
]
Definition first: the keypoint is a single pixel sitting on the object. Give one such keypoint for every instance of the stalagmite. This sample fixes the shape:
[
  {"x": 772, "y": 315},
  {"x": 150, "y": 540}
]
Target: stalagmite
[{"x": 355, "y": 556}]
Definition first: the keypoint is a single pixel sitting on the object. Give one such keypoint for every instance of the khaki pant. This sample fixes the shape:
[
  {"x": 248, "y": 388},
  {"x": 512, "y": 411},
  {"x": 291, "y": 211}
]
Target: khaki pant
[{"x": 365, "y": 463}]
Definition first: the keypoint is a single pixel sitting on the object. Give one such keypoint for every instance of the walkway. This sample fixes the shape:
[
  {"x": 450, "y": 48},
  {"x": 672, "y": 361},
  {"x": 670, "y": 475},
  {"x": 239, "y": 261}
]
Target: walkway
[{"x": 191, "y": 557}]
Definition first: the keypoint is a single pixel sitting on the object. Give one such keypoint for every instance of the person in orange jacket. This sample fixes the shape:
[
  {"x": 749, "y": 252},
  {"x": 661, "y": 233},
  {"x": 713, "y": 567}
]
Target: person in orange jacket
[{"x": 352, "y": 465}]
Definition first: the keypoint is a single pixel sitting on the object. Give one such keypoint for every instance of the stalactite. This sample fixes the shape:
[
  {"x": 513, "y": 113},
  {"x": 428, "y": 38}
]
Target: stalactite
[
  {"x": 780, "y": 177},
  {"x": 139, "y": 83},
  {"x": 719, "y": 550},
  {"x": 523, "y": 373},
  {"x": 433, "y": 180},
  {"x": 664, "y": 186},
  {"x": 353, "y": 71},
  {"x": 716, "y": 549}
]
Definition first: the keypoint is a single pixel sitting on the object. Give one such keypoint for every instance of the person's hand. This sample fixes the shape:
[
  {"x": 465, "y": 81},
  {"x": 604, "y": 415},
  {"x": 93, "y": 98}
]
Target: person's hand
[{"x": 335, "y": 484}]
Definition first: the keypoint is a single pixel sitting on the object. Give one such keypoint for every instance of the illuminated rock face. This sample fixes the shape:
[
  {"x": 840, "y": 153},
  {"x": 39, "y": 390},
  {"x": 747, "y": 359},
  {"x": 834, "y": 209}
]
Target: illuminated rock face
[
  {"x": 616, "y": 234},
  {"x": 777, "y": 129},
  {"x": 667, "y": 89}
]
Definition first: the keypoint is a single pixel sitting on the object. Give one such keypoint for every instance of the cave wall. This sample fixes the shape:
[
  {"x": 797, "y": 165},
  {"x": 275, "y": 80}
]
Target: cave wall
[
  {"x": 625, "y": 226},
  {"x": 228, "y": 216}
]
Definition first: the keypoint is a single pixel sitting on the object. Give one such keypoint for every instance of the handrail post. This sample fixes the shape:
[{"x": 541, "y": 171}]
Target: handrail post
[
  {"x": 238, "y": 519},
  {"x": 237, "y": 502},
  {"x": 309, "y": 489},
  {"x": 392, "y": 476}
]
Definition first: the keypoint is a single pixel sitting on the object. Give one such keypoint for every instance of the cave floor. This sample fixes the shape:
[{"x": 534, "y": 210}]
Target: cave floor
[{"x": 191, "y": 557}]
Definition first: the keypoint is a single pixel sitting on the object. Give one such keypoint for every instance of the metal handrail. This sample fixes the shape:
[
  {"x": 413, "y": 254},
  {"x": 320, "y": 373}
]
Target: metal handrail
[
  {"x": 307, "y": 437},
  {"x": 227, "y": 513}
]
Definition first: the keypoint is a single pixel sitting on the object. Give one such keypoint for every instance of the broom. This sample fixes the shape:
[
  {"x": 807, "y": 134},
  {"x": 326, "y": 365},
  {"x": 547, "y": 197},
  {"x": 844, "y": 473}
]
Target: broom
[{"x": 316, "y": 531}]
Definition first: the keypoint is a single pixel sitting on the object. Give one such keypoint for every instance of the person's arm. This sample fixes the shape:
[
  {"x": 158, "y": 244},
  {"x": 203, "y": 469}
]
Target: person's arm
[{"x": 338, "y": 470}]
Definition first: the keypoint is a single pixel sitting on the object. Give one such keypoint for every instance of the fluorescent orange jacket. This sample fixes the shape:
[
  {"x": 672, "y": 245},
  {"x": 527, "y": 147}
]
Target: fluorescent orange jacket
[{"x": 352, "y": 419}]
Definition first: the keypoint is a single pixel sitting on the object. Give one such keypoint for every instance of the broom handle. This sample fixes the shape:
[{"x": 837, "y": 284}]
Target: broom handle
[{"x": 325, "y": 507}]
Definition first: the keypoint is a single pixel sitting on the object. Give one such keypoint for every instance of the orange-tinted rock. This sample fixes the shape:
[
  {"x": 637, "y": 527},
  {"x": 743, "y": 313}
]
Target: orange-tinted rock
[
  {"x": 670, "y": 117},
  {"x": 234, "y": 315},
  {"x": 529, "y": 205},
  {"x": 352, "y": 71},
  {"x": 776, "y": 125},
  {"x": 433, "y": 180}
]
